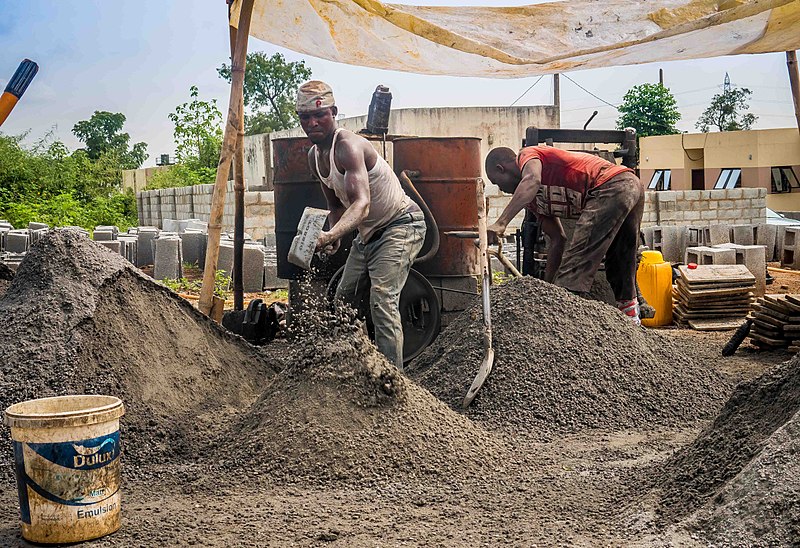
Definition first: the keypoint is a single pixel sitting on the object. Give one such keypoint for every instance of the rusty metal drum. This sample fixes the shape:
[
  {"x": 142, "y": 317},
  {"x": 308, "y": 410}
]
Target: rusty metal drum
[
  {"x": 450, "y": 171},
  {"x": 296, "y": 188}
]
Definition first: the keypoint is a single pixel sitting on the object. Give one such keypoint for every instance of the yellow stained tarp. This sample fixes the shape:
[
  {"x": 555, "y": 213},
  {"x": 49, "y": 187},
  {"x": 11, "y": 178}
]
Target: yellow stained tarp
[{"x": 511, "y": 42}]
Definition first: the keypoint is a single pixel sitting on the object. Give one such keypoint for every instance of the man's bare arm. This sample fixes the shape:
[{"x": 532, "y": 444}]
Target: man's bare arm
[{"x": 555, "y": 231}]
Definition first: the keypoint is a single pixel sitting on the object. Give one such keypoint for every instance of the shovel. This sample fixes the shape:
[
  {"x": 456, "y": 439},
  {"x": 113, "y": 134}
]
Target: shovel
[{"x": 488, "y": 351}]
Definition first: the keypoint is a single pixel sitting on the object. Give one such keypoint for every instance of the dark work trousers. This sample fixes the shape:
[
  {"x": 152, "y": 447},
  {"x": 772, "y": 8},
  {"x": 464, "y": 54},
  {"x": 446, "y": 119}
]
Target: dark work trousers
[{"x": 608, "y": 227}]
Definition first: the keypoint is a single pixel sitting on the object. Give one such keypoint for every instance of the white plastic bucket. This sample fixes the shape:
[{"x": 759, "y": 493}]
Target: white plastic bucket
[{"x": 66, "y": 452}]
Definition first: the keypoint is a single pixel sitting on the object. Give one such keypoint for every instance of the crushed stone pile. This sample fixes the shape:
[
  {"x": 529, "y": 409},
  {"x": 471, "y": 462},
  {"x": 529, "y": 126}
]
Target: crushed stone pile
[
  {"x": 6, "y": 276},
  {"x": 566, "y": 364},
  {"x": 742, "y": 472},
  {"x": 339, "y": 412},
  {"x": 80, "y": 319}
]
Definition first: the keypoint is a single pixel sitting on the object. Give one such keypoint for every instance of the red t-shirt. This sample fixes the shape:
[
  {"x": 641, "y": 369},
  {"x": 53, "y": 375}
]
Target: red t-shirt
[{"x": 566, "y": 178}]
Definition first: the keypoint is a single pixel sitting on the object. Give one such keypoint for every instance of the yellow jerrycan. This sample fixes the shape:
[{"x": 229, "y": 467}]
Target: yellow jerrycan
[{"x": 655, "y": 282}]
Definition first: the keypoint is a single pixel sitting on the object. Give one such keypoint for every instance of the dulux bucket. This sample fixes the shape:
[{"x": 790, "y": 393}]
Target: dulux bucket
[{"x": 66, "y": 452}]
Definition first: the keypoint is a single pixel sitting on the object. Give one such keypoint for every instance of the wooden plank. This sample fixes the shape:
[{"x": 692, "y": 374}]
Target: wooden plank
[
  {"x": 793, "y": 299},
  {"x": 715, "y": 325},
  {"x": 716, "y": 273},
  {"x": 714, "y": 291},
  {"x": 766, "y": 318},
  {"x": 768, "y": 340}
]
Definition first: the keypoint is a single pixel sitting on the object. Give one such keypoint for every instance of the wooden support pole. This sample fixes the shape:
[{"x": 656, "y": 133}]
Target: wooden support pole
[
  {"x": 794, "y": 80},
  {"x": 226, "y": 154},
  {"x": 238, "y": 193}
]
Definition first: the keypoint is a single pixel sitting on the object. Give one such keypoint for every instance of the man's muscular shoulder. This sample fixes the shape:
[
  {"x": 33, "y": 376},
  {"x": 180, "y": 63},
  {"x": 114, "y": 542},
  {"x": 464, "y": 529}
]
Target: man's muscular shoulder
[{"x": 352, "y": 148}]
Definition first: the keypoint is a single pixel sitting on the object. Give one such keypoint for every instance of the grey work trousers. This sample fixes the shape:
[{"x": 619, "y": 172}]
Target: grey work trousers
[
  {"x": 384, "y": 262},
  {"x": 608, "y": 227}
]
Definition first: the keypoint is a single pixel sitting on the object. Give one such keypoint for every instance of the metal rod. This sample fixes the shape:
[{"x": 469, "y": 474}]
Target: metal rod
[{"x": 226, "y": 154}]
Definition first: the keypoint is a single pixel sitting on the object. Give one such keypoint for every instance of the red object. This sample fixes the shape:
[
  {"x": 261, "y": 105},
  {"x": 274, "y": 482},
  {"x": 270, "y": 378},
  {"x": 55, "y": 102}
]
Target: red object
[
  {"x": 576, "y": 171},
  {"x": 691, "y": 266}
]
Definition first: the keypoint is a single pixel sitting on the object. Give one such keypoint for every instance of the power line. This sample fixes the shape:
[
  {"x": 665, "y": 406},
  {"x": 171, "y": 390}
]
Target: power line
[
  {"x": 526, "y": 91},
  {"x": 589, "y": 92}
]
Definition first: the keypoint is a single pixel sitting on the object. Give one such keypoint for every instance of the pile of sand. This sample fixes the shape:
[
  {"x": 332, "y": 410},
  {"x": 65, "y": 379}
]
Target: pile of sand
[
  {"x": 742, "y": 471},
  {"x": 80, "y": 319},
  {"x": 338, "y": 411},
  {"x": 566, "y": 364}
]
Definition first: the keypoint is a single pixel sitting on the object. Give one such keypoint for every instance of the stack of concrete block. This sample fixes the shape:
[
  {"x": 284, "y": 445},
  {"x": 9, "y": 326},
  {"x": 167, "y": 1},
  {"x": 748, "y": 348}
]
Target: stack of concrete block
[
  {"x": 196, "y": 225},
  {"x": 169, "y": 225},
  {"x": 168, "y": 258},
  {"x": 766, "y": 236},
  {"x": 145, "y": 236},
  {"x": 754, "y": 258},
  {"x": 37, "y": 234},
  {"x": 113, "y": 245},
  {"x": 103, "y": 235},
  {"x": 790, "y": 253},
  {"x": 129, "y": 244},
  {"x": 704, "y": 255},
  {"x": 37, "y": 226},
  {"x": 194, "y": 247},
  {"x": 114, "y": 230}
]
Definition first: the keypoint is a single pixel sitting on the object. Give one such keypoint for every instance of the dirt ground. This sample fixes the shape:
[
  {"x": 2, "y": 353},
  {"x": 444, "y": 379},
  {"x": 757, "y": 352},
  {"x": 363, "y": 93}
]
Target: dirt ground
[{"x": 321, "y": 442}]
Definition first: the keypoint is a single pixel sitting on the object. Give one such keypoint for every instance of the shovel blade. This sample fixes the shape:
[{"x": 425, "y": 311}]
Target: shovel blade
[{"x": 480, "y": 378}]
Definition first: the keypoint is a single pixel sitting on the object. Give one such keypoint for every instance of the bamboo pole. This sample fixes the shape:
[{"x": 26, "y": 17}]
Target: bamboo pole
[
  {"x": 238, "y": 193},
  {"x": 226, "y": 154},
  {"x": 794, "y": 80}
]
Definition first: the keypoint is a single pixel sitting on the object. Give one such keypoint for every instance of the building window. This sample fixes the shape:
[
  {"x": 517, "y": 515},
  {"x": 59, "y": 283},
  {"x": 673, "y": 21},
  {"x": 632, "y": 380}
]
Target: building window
[
  {"x": 729, "y": 178},
  {"x": 661, "y": 179},
  {"x": 783, "y": 179}
]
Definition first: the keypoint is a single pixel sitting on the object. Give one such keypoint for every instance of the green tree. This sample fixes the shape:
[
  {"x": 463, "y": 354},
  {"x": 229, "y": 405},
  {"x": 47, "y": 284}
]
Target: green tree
[
  {"x": 270, "y": 84},
  {"x": 102, "y": 134},
  {"x": 726, "y": 111},
  {"x": 198, "y": 132},
  {"x": 649, "y": 108}
]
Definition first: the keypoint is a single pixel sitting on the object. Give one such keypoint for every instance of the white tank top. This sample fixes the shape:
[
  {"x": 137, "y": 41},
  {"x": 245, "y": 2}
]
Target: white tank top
[{"x": 386, "y": 197}]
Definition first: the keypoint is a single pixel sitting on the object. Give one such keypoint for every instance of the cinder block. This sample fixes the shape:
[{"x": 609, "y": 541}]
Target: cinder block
[
  {"x": 145, "y": 237},
  {"x": 113, "y": 245},
  {"x": 128, "y": 247},
  {"x": 194, "y": 247},
  {"x": 710, "y": 255},
  {"x": 743, "y": 234},
  {"x": 17, "y": 241},
  {"x": 102, "y": 235},
  {"x": 754, "y": 258},
  {"x": 766, "y": 236},
  {"x": 109, "y": 228},
  {"x": 168, "y": 261},
  {"x": 253, "y": 258},
  {"x": 694, "y": 234},
  {"x": 37, "y": 226},
  {"x": 197, "y": 224},
  {"x": 717, "y": 234},
  {"x": 37, "y": 235},
  {"x": 169, "y": 225},
  {"x": 790, "y": 252},
  {"x": 669, "y": 240},
  {"x": 225, "y": 257}
]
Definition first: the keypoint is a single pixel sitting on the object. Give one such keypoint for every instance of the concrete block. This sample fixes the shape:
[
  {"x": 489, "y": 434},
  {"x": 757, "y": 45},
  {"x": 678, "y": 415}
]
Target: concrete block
[
  {"x": 109, "y": 228},
  {"x": 754, "y": 258},
  {"x": 113, "y": 245},
  {"x": 37, "y": 235},
  {"x": 790, "y": 254},
  {"x": 225, "y": 257},
  {"x": 197, "y": 225},
  {"x": 743, "y": 234},
  {"x": 669, "y": 240},
  {"x": 194, "y": 247},
  {"x": 168, "y": 260},
  {"x": 37, "y": 226},
  {"x": 102, "y": 235},
  {"x": 253, "y": 259},
  {"x": 694, "y": 235},
  {"x": 128, "y": 247},
  {"x": 647, "y": 234},
  {"x": 169, "y": 225},
  {"x": 766, "y": 236},
  {"x": 145, "y": 238},
  {"x": 717, "y": 234},
  {"x": 710, "y": 255},
  {"x": 17, "y": 241}
]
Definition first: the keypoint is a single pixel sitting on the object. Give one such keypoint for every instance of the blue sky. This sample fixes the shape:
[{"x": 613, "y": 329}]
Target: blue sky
[{"x": 140, "y": 58}]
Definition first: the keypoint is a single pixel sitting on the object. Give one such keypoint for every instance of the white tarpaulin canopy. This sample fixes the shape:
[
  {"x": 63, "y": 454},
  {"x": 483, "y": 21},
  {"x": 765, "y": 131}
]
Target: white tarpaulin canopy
[{"x": 511, "y": 42}]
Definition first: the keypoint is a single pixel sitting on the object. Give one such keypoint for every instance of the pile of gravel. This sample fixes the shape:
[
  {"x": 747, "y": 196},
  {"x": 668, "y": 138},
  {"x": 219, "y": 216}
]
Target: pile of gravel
[
  {"x": 340, "y": 412},
  {"x": 566, "y": 364},
  {"x": 80, "y": 319},
  {"x": 742, "y": 471}
]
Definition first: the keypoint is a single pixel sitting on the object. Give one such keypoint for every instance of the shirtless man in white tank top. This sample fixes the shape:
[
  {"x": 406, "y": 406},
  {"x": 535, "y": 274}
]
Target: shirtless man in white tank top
[{"x": 363, "y": 193}]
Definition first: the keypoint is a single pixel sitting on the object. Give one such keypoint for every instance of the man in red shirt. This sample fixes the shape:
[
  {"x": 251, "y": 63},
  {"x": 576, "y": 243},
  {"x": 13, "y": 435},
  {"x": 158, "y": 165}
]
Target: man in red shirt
[{"x": 606, "y": 199}]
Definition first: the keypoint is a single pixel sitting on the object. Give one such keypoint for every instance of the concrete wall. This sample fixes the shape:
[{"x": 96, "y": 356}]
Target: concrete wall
[
  {"x": 194, "y": 202},
  {"x": 754, "y": 152},
  {"x": 137, "y": 179}
]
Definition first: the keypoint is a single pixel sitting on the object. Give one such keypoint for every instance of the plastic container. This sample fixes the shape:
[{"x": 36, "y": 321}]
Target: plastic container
[
  {"x": 66, "y": 452},
  {"x": 655, "y": 282}
]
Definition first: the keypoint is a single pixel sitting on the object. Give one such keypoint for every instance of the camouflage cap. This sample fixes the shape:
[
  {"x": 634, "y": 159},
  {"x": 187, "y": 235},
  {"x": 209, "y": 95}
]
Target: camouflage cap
[{"x": 314, "y": 95}]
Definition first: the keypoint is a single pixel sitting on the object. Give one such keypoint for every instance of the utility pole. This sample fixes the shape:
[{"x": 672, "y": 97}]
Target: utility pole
[
  {"x": 661, "y": 76},
  {"x": 794, "y": 80},
  {"x": 556, "y": 92}
]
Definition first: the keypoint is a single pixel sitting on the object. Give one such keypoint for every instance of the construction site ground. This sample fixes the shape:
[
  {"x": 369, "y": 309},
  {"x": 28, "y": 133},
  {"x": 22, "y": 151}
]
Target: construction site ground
[{"x": 315, "y": 440}]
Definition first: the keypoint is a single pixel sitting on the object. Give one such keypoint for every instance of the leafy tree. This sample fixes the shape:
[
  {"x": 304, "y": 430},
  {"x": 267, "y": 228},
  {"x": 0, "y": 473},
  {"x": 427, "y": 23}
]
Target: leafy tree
[
  {"x": 198, "y": 132},
  {"x": 102, "y": 134},
  {"x": 650, "y": 109},
  {"x": 270, "y": 84},
  {"x": 726, "y": 111}
]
